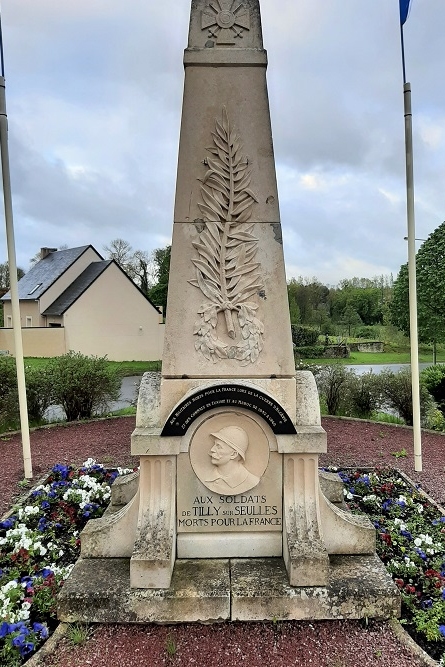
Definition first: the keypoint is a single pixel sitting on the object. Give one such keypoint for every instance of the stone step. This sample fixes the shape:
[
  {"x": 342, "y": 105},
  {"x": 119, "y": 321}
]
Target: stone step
[{"x": 209, "y": 591}]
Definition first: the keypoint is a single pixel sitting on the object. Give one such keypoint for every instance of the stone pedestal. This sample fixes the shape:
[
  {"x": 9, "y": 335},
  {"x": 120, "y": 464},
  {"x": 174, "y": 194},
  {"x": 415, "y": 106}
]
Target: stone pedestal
[{"x": 228, "y": 518}]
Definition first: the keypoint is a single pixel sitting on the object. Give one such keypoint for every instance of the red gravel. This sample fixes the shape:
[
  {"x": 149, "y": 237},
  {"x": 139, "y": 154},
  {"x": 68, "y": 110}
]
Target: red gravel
[
  {"x": 107, "y": 441},
  {"x": 360, "y": 443},
  {"x": 321, "y": 644},
  {"x": 318, "y": 644}
]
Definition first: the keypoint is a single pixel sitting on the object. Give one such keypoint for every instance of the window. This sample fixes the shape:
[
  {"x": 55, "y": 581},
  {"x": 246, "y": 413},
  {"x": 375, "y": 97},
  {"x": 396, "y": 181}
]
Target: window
[
  {"x": 34, "y": 289},
  {"x": 28, "y": 321}
]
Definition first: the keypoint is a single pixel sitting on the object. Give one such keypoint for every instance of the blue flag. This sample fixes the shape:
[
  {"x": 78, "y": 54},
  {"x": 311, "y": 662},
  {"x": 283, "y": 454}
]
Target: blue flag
[{"x": 404, "y": 8}]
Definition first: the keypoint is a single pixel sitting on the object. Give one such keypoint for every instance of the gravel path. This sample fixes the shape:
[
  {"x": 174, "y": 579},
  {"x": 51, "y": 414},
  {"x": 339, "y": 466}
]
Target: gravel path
[{"x": 320, "y": 644}]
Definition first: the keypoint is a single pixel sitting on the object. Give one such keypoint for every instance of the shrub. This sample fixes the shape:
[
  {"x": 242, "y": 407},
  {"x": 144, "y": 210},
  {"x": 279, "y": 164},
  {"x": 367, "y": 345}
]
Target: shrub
[
  {"x": 304, "y": 336},
  {"x": 82, "y": 385},
  {"x": 397, "y": 394},
  {"x": 38, "y": 392},
  {"x": 433, "y": 378},
  {"x": 363, "y": 395},
  {"x": 9, "y": 402},
  {"x": 310, "y": 352},
  {"x": 434, "y": 419},
  {"x": 332, "y": 382}
]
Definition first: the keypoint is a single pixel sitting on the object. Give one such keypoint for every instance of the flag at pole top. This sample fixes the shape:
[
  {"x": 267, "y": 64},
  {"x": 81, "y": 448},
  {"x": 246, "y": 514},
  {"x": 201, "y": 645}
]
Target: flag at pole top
[{"x": 404, "y": 9}]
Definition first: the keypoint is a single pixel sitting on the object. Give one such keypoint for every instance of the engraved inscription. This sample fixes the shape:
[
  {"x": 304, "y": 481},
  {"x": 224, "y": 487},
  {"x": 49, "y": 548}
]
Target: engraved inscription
[
  {"x": 200, "y": 510},
  {"x": 225, "y": 21},
  {"x": 232, "y": 395},
  {"x": 222, "y": 512},
  {"x": 227, "y": 272}
]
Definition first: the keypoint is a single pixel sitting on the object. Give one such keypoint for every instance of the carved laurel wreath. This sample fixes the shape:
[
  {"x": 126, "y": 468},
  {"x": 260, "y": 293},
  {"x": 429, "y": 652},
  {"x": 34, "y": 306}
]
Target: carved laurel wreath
[{"x": 226, "y": 270}]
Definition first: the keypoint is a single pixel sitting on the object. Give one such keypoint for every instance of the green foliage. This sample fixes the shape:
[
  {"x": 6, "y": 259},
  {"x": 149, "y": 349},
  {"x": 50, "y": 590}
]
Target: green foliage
[
  {"x": 434, "y": 419},
  {"x": 397, "y": 394},
  {"x": 78, "y": 634},
  {"x": 433, "y": 378},
  {"x": 368, "y": 332},
  {"x": 170, "y": 647},
  {"x": 310, "y": 351},
  {"x": 304, "y": 336},
  {"x": 158, "y": 293},
  {"x": 401, "y": 454},
  {"x": 430, "y": 278},
  {"x": 82, "y": 385},
  {"x": 5, "y": 277},
  {"x": 38, "y": 392},
  {"x": 387, "y": 418},
  {"x": 9, "y": 402},
  {"x": 363, "y": 395},
  {"x": 331, "y": 382}
]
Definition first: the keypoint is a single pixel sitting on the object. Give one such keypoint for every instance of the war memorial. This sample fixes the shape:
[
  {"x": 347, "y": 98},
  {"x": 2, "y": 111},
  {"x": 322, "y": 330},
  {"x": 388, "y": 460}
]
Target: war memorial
[{"x": 229, "y": 517}]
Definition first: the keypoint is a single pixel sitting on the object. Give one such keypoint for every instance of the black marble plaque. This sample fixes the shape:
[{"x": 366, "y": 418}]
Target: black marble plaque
[{"x": 228, "y": 395}]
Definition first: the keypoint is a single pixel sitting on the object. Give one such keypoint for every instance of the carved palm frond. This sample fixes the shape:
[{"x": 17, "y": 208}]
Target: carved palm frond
[{"x": 226, "y": 270}]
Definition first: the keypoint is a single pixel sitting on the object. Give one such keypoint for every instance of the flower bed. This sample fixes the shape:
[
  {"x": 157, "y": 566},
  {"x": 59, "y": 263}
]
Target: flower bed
[
  {"x": 411, "y": 543},
  {"x": 39, "y": 544}
]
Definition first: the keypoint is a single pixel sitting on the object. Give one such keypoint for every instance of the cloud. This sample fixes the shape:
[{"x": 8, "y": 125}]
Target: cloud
[{"x": 94, "y": 94}]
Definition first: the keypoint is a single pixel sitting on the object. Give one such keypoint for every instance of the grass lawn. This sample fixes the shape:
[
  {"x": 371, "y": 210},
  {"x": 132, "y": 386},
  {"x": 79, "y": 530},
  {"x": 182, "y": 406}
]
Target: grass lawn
[
  {"x": 126, "y": 368},
  {"x": 384, "y": 358}
]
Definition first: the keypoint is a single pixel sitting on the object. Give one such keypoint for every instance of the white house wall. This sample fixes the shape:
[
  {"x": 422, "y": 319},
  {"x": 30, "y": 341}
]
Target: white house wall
[
  {"x": 67, "y": 278},
  {"x": 113, "y": 318},
  {"x": 27, "y": 309}
]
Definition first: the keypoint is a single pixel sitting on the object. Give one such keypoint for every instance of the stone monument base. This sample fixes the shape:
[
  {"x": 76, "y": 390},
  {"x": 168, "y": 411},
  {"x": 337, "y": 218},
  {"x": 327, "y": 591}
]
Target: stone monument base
[{"x": 209, "y": 591}]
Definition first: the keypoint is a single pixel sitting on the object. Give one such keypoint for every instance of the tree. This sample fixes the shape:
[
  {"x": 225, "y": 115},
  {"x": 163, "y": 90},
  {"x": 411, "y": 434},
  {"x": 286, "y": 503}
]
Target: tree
[
  {"x": 123, "y": 254},
  {"x": 158, "y": 293},
  {"x": 5, "y": 282},
  {"x": 144, "y": 270},
  {"x": 350, "y": 318},
  {"x": 139, "y": 265},
  {"x": 430, "y": 269}
]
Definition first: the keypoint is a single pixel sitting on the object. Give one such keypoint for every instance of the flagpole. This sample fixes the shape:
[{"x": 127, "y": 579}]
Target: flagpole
[
  {"x": 414, "y": 342},
  {"x": 16, "y": 323}
]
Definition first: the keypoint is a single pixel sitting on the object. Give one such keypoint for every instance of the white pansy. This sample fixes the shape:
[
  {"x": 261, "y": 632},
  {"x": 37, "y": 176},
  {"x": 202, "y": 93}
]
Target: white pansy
[{"x": 127, "y": 471}]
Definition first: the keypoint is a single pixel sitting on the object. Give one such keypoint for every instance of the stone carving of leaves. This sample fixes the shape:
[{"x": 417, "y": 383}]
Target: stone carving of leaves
[{"x": 226, "y": 270}]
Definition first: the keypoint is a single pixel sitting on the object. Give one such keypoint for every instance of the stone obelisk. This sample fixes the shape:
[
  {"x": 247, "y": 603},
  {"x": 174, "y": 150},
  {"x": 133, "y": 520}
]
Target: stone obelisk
[
  {"x": 227, "y": 310},
  {"x": 227, "y": 518}
]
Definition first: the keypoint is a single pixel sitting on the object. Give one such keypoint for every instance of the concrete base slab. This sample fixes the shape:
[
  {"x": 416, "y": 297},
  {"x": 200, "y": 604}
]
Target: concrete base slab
[
  {"x": 208, "y": 591},
  {"x": 358, "y": 587},
  {"x": 98, "y": 591}
]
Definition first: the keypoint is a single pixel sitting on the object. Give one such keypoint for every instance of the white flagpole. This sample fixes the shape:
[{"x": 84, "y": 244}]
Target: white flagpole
[
  {"x": 414, "y": 342},
  {"x": 16, "y": 323}
]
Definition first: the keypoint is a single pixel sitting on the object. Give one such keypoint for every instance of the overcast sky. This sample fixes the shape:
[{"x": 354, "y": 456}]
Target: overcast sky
[{"x": 94, "y": 94}]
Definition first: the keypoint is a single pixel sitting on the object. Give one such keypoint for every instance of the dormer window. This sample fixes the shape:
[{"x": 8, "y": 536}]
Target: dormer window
[{"x": 34, "y": 289}]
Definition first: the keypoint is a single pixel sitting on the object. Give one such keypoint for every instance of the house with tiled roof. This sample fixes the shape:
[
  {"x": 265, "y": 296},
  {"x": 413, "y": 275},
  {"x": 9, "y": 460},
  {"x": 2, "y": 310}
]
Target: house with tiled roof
[{"x": 75, "y": 300}]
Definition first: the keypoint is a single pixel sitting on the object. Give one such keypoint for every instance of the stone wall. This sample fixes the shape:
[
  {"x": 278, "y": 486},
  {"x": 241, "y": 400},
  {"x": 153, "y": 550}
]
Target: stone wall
[
  {"x": 373, "y": 346},
  {"x": 37, "y": 341}
]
